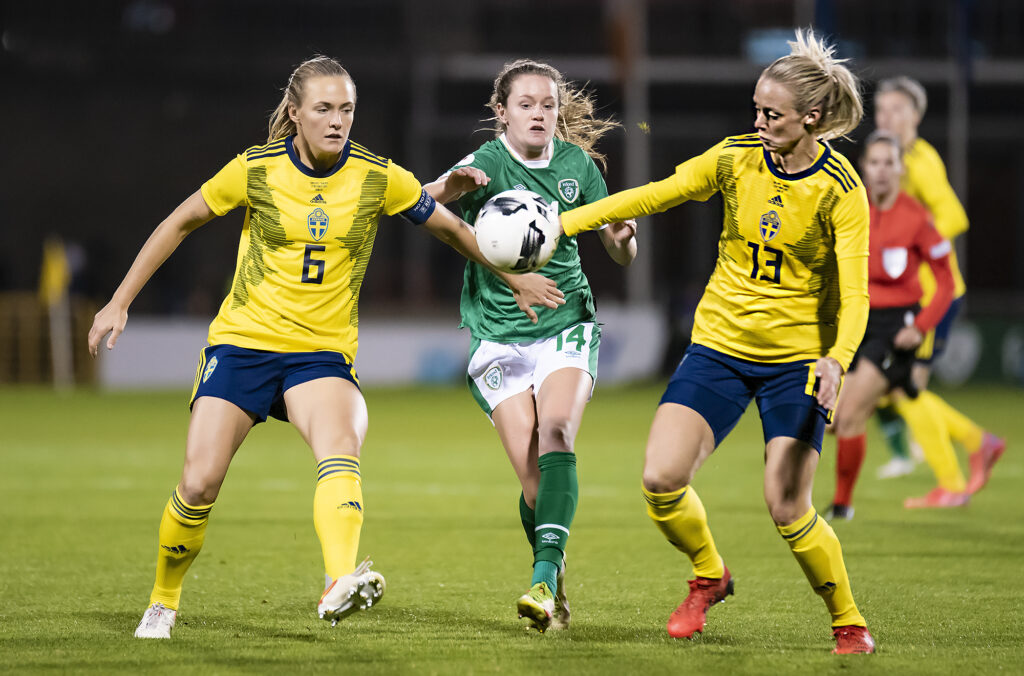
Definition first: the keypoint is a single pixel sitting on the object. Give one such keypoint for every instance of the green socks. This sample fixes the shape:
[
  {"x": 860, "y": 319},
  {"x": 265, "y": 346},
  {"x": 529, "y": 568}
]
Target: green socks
[
  {"x": 894, "y": 430},
  {"x": 529, "y": 519},
  {"x": 556, "y": 506}
]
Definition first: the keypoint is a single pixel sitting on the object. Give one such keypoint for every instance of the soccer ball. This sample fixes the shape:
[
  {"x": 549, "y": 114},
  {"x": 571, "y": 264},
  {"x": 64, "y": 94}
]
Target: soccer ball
[{"x": 517, "y": 231}]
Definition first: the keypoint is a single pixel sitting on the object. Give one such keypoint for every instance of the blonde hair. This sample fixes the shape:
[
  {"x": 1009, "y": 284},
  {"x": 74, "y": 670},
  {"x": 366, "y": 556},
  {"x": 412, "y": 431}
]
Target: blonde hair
[
  {"x": 909, "y": 87},
  {"x": 281, "y": 124},
  {"x": 576, "y": 122},
  {"x": 818, "y": 79}
]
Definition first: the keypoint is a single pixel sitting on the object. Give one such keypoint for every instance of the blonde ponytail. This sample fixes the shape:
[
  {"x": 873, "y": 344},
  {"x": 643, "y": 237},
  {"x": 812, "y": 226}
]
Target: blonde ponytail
[{"x": 818, "y": 79}]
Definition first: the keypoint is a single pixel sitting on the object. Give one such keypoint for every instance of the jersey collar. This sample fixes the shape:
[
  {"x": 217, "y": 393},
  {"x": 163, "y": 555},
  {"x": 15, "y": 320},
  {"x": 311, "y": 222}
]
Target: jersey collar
[
  {"x": 294, "y": 157},
  {"x": 529, "y": 164},
  {"x": 824, "y": 153}
]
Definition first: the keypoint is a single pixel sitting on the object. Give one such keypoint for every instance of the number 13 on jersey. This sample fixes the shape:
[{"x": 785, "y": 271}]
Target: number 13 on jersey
[{"x": 769, "y": 265}]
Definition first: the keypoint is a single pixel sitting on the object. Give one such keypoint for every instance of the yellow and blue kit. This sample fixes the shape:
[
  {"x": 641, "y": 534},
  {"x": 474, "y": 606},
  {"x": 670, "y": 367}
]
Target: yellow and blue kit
[
  {"x": 305, "y": 244},
  {"x": 924, "y": 179},
  {"x": 292, "y": 314},
  {"x": 790, "y": 285},
  {"x": 791, "y": 278}
]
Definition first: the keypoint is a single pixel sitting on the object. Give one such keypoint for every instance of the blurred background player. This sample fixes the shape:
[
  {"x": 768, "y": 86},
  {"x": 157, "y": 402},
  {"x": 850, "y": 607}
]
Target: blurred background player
[
  {"x": 901, "y": 238},
  {"x": 900, "y": 105},
  {"x": 285, "y": 337},
  {"x": 779, "y": 321},
  {"x": 534, "y": 379}
]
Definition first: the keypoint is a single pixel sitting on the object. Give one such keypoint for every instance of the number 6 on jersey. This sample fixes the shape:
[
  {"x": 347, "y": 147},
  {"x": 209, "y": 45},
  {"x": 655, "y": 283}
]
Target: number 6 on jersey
[{"x": 313, "y": 268}]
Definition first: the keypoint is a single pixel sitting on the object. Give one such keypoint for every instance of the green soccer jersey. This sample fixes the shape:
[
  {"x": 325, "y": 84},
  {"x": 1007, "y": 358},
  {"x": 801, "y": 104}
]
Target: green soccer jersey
[{"x": 570, "y": 178}]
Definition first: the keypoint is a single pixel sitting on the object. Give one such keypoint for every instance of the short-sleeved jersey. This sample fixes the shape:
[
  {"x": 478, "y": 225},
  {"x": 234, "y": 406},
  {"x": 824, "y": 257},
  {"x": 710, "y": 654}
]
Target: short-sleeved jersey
[
  {"x": 569, "y": 178},
  {"x": 902, "y": 237},
  {"x": 793, "y": 249},
  {"x": 305, "y": 244},
  {"x": 925, "y": 180}
]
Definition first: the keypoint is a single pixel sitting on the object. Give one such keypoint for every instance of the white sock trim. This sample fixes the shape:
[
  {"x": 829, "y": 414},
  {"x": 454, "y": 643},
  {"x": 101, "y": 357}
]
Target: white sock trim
[{"x": 551, "y": 525}]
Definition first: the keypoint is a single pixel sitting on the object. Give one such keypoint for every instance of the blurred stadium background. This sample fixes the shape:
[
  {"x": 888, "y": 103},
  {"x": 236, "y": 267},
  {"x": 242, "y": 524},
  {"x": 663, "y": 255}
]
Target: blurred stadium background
[{"x": 114, "y": 111}]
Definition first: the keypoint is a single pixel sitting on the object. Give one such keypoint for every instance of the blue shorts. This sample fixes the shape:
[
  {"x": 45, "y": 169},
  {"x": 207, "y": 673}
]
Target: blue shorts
[
  {"x": 720, "y": 387},
  {"x": 935, "y": 342},
  {"x": 255, "y": 381}
]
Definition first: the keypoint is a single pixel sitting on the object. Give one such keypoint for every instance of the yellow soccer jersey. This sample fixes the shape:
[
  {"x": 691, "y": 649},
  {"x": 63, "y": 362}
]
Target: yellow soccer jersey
[
  {"x": 793, "y": 250},
  {"x": 925, "y": 180},
  {"x": 305, "y": 244}
]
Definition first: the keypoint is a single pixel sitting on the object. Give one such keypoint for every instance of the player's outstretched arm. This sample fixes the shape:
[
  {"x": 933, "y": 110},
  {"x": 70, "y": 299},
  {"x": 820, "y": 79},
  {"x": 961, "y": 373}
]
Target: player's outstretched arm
[
  {"x": 455, "y": 184},
  {"x": 619, "y": 241},
  {"x": 188, "y": 216},
  {"x": 528, "y": 290}
]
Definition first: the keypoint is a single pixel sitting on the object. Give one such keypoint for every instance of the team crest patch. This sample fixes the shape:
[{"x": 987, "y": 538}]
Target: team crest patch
[
  {"x": 493, "y": 377},
  {"x": 317, "y": 222},
  {"x": 208, "y": 371},
  {"x": 569, "y": 188},
  {"x": 770, "y": 224}
]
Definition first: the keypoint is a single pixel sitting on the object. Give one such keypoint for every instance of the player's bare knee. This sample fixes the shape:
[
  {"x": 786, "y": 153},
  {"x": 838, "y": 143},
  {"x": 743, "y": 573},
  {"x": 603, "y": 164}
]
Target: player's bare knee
[
  {"x": 785, "y": 512},
  {"x": 556, "y": 435},
  {"x": 658, "y": 480},
  {"x": 198, "y": 490}
]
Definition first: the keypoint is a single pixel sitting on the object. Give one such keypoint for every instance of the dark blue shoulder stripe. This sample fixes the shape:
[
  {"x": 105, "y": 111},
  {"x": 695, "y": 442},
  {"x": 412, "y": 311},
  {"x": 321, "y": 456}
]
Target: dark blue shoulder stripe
[
  {"x": 272, "y": 153},
  {"x": 367, "y": 151},
  {"x": 743, "y": 144},
  {"x": 752, "y": 136},
  {"x": 371, "y": 160},
  {"x": 261, "y": 149},
  {"x": 836, "y": 164},
  {"x": 839, "y": 179}
]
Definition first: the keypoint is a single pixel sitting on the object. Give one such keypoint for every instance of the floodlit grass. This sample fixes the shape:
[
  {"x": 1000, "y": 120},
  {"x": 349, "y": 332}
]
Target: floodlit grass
[{"x": 84, "y": 478}]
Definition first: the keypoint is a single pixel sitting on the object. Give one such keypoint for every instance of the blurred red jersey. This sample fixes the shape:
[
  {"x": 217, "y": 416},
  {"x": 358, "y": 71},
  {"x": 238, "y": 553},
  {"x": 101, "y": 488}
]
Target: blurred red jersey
[{"x": 903, "y": 237}]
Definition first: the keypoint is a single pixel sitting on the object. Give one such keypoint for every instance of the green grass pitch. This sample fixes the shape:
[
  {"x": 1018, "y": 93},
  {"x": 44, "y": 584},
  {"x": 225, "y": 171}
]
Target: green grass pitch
[{"x": 84, "y": 477}]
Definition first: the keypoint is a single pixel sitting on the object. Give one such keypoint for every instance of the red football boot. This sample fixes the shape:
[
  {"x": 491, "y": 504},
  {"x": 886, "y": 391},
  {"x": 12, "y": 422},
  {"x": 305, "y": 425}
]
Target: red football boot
[
  {"x": 852, "y": 639},
  {"x": 982, "y": 461},
  {"x": 938, "y": 497},
  {"x": 689, "y": 618}
]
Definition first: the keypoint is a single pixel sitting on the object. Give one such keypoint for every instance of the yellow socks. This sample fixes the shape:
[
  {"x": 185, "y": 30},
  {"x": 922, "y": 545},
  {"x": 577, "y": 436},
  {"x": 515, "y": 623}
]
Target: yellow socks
[
  {"x": 338, "y": 512},
  {"x": 681, "y": 518},
  {"x": 182, "y": 531},
  {"x": 960, "y": 427},
  {"x": 928, "y": 427},
  {"x": 817, "y": 550}
]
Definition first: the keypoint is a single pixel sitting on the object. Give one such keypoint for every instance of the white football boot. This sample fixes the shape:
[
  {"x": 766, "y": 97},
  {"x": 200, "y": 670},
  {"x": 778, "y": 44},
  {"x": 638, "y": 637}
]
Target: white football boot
[
  {"x": 358, "y": 590},
  {"x": 157, "y": 622}
]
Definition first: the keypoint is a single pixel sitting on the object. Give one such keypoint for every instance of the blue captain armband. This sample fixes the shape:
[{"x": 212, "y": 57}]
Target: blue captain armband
[{"x": 418, "y": 213}]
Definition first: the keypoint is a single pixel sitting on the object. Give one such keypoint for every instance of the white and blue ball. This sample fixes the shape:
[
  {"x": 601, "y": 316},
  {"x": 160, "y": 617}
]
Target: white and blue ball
[{"x": 517, "y": 231}]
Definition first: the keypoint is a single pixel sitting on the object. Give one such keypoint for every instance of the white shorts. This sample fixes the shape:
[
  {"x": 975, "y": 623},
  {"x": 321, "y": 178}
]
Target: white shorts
[{"x": 498, "y": 371}]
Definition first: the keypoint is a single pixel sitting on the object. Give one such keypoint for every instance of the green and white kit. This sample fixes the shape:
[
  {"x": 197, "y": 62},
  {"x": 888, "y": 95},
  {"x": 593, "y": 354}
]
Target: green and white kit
[
  {"x": 498, "y": 371},
  {"x": 488, "y": 308}
]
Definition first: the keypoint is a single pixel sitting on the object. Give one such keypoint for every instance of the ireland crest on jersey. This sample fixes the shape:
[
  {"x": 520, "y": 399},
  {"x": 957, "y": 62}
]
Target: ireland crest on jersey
[
  {"x": 317, "y": 223},
  {"x": 770, "y": 224},
  {"x": 569, "y": 189}
]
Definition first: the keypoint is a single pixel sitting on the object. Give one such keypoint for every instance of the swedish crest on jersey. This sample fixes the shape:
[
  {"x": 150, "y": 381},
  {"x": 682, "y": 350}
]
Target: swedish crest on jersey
[
  {"x": 770, "y": 224},
  {"x": 569, "y": 189},
  {"x": 317, "y": 222}
]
